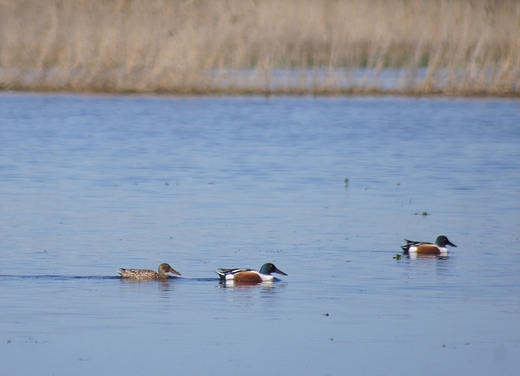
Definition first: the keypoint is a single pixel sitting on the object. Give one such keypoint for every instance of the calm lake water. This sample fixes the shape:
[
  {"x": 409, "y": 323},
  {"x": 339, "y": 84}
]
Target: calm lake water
[{"x": 89, "y": 184}]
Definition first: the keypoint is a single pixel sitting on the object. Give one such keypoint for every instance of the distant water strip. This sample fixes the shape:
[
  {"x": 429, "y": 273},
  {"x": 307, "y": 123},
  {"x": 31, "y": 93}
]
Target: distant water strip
[{"x": 65, "y": 278}]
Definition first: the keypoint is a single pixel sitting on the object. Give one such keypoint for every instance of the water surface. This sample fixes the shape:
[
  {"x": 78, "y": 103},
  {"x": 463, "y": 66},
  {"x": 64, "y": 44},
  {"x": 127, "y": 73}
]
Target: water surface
[{"x": 89, "y": 184}]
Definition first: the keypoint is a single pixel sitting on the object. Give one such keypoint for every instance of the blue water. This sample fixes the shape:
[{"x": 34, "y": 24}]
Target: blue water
[{"x": 89, "y": 184}]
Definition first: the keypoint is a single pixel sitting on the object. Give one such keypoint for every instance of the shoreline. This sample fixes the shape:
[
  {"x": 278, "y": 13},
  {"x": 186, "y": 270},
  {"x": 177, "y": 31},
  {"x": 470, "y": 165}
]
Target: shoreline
[{"x": 272, "y": 94}]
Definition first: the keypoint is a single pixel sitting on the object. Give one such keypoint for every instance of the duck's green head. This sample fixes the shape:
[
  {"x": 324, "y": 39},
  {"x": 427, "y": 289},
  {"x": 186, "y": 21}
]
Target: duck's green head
[
  {"x": 270, "y": 268},
  {"x": 442, "y": 241}
]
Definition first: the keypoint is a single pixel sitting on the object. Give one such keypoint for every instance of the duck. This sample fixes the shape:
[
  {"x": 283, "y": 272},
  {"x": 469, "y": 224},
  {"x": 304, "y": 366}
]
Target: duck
[
  {"x": 249, "y": 275},
  {"x": 145, "y": 274},
  {"x": 437, "y": 249}
]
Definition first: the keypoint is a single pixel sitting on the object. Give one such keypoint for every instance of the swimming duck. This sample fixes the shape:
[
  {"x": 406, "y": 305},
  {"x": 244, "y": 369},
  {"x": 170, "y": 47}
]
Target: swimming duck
[
  {"x": 249, "y": 275},
  {"x": 439, "y": 248},
  {"x": 145, "y": 274}
]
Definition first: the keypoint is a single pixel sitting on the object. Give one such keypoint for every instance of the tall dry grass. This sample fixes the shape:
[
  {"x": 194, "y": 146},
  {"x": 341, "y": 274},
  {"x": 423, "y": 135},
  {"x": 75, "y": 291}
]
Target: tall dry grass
[{"x": 465, "y": 47}]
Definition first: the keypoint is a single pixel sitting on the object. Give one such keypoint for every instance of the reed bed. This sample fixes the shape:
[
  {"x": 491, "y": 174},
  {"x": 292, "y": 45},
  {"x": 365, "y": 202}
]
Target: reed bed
[{"x": 465, "y": 47}]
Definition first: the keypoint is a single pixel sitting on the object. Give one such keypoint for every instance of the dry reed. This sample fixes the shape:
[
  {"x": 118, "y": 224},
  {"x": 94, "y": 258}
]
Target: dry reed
[{"x": 466, "y": 47}]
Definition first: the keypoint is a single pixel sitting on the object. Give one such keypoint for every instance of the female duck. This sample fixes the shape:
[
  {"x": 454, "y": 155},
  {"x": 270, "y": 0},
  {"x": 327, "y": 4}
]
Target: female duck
[{"x": 145, "y": 274}]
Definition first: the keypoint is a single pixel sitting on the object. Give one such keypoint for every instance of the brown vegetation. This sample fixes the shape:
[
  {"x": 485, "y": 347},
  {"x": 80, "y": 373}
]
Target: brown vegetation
[{"x": 466, "y": 47}]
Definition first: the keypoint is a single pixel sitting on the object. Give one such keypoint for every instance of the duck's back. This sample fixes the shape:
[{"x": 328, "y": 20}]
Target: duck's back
[{"x": 138, "y": 274}]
